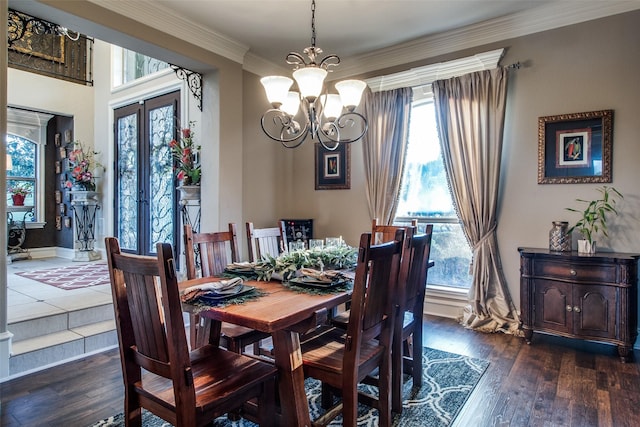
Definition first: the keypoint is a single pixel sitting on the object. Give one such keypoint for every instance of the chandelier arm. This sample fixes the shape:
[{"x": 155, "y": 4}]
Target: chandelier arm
[
  {"x": 340, "y": 123},
  {"x": 294, "y": 58},
  {"x": 285, "y": 123},
  {"x": 330, "y": 61}
]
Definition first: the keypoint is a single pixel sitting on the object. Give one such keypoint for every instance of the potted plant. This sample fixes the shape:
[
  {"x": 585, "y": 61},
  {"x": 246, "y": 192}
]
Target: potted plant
[
  {"x": 594, "y": 217},
  {"x": 18, "y": 193}
]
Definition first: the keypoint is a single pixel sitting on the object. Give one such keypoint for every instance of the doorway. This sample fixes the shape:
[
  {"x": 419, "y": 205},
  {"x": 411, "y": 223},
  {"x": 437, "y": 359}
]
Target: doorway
[{"x": 145, "y": 197}]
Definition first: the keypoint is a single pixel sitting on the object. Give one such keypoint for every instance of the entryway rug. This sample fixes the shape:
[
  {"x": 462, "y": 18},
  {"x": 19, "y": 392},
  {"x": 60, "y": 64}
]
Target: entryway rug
[
  {"x": 448, "y": 381},
  {"x": 71, "y": 277}
]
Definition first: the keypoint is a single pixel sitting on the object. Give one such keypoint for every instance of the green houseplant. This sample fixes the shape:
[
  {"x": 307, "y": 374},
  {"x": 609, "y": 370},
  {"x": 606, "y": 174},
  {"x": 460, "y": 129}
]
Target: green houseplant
[{"x": 594, "y": 217}]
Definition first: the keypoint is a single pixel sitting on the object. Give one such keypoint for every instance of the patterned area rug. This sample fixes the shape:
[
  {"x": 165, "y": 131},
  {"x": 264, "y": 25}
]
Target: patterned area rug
[
  {"x": 71, "y": 277},
  {"x": 448, "y": 381}
]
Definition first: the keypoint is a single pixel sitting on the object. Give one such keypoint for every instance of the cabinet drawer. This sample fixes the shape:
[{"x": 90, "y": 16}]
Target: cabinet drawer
[{"x": 579, "y": 272}]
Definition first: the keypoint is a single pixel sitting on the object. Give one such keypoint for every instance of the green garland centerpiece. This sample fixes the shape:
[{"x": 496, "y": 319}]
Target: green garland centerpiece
[{"x": 288, "y": 263}]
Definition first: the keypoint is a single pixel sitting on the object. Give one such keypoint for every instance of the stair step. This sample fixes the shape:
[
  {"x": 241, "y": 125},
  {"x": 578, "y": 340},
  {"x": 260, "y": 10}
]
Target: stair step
[
  {"x": 34, "y": 353},
  {"x": 45, "y": 325}
]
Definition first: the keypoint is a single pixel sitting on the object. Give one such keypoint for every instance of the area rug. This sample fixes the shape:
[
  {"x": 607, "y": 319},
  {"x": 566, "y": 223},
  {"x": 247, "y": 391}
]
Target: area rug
[
  {"x": 71, "y": 277},
  {"x": 448, "y": 381}
]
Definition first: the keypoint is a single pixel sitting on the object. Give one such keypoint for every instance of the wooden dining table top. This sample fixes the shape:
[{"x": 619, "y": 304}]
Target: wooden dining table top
[{"x": 279, "y": 308}]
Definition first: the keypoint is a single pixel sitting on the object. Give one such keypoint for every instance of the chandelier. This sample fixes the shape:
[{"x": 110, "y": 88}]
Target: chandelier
[{"x": 328, "y": 118}]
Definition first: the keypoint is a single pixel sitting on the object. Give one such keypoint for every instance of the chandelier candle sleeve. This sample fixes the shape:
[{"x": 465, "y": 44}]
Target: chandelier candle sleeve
[{"x": 322, "y": 114}]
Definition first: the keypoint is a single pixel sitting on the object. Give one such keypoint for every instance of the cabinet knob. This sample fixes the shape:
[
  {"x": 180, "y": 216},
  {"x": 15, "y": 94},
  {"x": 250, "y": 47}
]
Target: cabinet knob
[
  {"x": 576, "y": 309},
  {"x": 573, "y": 273},
  {"x": 569, "y": 308}
]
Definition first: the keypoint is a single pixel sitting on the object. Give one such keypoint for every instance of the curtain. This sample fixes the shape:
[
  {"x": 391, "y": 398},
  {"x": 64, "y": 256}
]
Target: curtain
[
  {"x": 470, "y": 115},
  {"x": 384, "y": 146}
]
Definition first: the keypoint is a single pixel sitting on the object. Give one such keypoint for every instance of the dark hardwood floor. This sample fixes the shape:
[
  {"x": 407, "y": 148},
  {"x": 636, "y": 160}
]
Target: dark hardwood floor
[{"x": 553, "y": 382}]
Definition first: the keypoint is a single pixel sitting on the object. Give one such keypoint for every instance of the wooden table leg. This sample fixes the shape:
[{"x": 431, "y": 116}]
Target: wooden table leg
[{"x": 288, "y": 357}]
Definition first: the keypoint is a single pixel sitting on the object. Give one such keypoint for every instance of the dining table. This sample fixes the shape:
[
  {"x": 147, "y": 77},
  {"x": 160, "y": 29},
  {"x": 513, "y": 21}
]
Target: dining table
[{"x": 285, "y": 313}]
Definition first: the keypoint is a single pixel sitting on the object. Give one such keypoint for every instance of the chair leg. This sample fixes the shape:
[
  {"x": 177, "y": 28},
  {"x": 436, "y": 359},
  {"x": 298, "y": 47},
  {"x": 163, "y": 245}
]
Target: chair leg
[
  {"x": 350, "y": 406},
  {"x": 267, "y": 404},
  {"x": 416, "y": 365},
  {"x": 397, "y": 374},
  {"x": 132, "y": 413}
]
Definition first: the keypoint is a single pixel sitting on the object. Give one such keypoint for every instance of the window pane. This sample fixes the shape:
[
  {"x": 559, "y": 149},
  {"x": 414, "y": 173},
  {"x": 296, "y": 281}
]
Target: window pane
[
  {"x": 21, "y": 172},
  {"x": 425, "y": 196}
]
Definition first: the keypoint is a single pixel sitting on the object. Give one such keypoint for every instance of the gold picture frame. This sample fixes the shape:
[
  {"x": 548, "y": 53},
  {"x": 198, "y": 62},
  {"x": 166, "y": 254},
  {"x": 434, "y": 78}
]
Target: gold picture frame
[{"x": 575, "y": 148}]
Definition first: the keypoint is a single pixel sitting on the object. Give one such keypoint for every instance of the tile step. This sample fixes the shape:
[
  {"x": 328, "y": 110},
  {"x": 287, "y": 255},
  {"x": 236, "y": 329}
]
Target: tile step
[
  {"x": 60, "y": 322},
  {"x": 35, "y": 353}
]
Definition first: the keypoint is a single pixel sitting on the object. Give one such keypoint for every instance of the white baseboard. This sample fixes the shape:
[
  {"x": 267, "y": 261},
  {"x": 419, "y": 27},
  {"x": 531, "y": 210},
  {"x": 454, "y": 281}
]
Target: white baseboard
[{"x": 51, "y": 252}]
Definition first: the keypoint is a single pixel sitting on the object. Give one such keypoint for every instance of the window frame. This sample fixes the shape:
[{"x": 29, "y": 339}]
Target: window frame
[{"x": 32, "y": 125}]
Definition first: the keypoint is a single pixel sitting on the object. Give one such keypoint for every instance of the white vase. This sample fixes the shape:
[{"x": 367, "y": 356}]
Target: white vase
[{"x": 586, "y": 247}]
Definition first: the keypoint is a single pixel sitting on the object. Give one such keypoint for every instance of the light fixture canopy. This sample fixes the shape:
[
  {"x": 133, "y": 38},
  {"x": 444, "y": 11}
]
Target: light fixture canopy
[{"x": 324, "y": 118}]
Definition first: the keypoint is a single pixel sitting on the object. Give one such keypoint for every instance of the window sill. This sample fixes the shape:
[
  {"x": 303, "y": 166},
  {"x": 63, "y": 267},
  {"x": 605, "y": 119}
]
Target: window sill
[{"x": 32, "y": 225}]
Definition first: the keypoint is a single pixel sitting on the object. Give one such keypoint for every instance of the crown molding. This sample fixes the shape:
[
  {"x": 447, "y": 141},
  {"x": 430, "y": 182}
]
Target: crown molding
[
  {"x": 157, "y": 16},
  {"x": 543, "y": 18}
]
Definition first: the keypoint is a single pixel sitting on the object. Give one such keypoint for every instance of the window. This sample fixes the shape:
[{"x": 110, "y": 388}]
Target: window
[
  {"x": 21, "y": 171},
  {"x": 425, "y": 196},
  {"x": 129, "y": 66}
]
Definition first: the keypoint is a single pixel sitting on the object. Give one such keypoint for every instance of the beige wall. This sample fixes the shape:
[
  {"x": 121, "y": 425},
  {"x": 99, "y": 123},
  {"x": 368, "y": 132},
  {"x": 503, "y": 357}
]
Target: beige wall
[{"x": 585, "y": 67}]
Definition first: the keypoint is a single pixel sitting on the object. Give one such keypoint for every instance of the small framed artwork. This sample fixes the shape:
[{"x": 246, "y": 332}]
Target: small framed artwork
[
  {"x": 57, "y": 138},
  {"x": 58, "y": 196},
  {"x": 67, "y": 221},
  {"x": 58, "y": 167},
  {"x": 68, "y": 136},
  {"x": 575, "y": 148},
  {"x": 63, "y": 209},
  {"x": 63, "y": 152},
  {"x": 333, "y": 167},
  {"x": 58, "y": 222}
]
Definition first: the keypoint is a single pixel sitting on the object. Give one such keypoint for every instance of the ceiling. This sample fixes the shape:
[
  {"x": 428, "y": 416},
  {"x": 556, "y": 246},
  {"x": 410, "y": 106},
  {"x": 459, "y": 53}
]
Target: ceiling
[
  {"x": 273, "y": 28},
  {"x": 366, "y": 34}
]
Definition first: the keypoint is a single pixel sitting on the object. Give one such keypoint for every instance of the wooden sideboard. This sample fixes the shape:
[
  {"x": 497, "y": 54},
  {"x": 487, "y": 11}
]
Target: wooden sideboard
[{"x": 590, "y": 297}]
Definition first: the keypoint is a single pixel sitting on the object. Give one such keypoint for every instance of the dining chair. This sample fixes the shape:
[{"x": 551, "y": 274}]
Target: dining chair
[
  {"x": 266, "y": 241},
  {"x": 185, "y": 388},
  {"x": 406, "y": 353},
  {"x": 343, "y": 360},
  {"x": 211, "y": 251}
]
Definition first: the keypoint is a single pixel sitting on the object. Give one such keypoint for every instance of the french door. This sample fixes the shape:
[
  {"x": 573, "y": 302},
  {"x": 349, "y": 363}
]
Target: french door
[{"x": 145, "y": 198}]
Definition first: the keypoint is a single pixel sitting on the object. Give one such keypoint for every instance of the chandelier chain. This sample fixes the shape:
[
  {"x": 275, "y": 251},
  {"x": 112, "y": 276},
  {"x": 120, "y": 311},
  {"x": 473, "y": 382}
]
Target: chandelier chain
[{"x": 313, "y": 23}]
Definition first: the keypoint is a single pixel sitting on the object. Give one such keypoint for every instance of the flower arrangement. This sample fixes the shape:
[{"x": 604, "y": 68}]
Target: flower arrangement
[
  {"x": 81, "y": 166},
  {"x": 20, "y": 189},
  {"x": 187, "y": 156}
]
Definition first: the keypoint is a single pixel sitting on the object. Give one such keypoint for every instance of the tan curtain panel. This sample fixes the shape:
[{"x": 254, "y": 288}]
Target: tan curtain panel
[
  {"x": 470, "y": 114},
  {"x": 384, "y": 147}
]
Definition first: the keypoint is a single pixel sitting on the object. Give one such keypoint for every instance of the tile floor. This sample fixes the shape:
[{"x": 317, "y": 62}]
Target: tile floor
[{"x": 28, "y": 299}]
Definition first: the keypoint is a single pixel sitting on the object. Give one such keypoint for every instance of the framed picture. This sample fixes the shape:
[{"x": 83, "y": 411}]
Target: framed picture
[
  {"x": 58, "y": 222},
  {"x": 58, "y": 196},
  {"x": 63, "y": 152},
  {"x": 333, "y": 167},
  {"x": 68, "y": 136},
  {"x": 57, "y": 138},
  {"x": 58, "y": 167},
  {"x": 575, "y": 148},
  {"x": 67, "y": 221}
]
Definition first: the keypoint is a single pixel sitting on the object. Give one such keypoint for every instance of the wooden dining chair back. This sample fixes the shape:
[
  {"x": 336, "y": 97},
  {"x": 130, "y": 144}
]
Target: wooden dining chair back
[
  {"x": 182, "y": 387},
  {"x": 407, "y": 342},
  {"x": 265, "y": 241},
  {"x": 213, "y": 252},
  {"x": 341, "y": 361},
  {"x": 386, "y": 233}
]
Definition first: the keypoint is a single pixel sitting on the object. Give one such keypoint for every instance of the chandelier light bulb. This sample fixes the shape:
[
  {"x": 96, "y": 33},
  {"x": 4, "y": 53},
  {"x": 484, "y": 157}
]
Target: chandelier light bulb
[
  {"x": 350, "y": 92},
  {"x": 277, "y": 88},
  {"x": 310, "y": 81},
  {"x": 291, "y": 105},
  {"x": 332, "y": 106}
]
